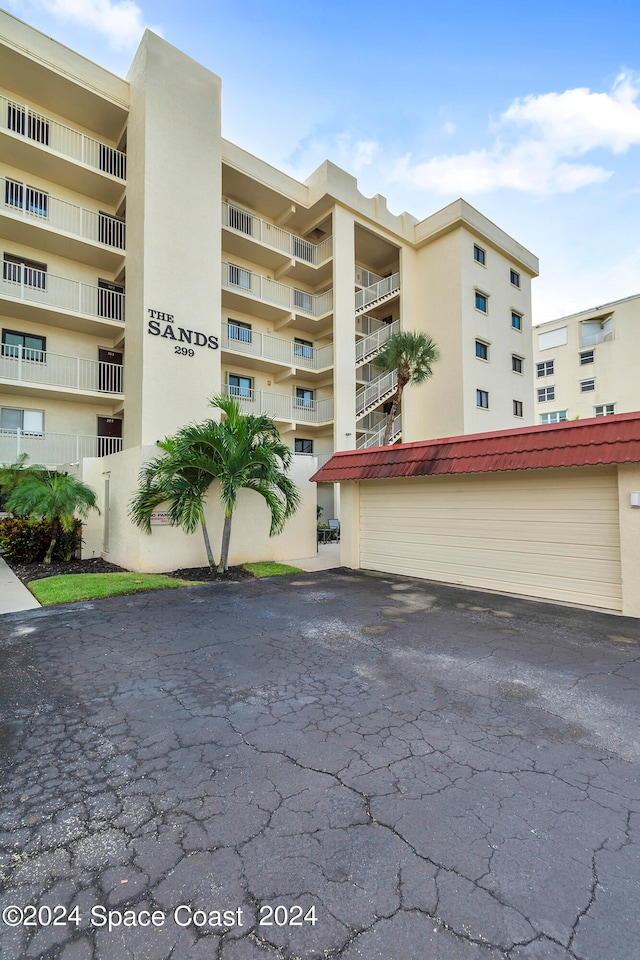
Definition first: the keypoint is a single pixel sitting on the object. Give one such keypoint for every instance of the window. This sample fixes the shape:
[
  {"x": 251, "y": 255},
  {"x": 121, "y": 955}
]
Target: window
[
  {"x": 558, "y": 416},
  {"x": 302, "y": 249},
  {"x": 517, "y": 408},
  {"x": 23, "y": 345},
  {"x": 515, "y": 278},
  {"x": 546, "y": 393},
  {"x": 482, "y": 399},
  {"x": 110, "y": 300},
  {"x": 516, "y": 320},
  {"x": 239, "y": 331},
  {"x": 239, "y": 277},
  {"x": 482, "y": 302},
  {"x": 587, "y": 356},
  {"x": 13, "y": 193},
  {"x": 517, "y": 363},
  {"x": 240, "y": 220},
  {"x": 303, "y": 348},
  {"x": 19, "y": 270},
  {"x": 586, "y": 386},
  {"x": 595, "y": 331},
  {"x": 479, "y": 255},
  {"x": 27, "y": 421},
  {"x": 604, "y": 409},
  {"x": 482, "y": 350},
  {"x": 35, "y": 128},
  {"x": 303, "y": 446},
  {"x": 240, "y": 386},
  {"x": 303, "y": 300},
  {"x": 544, "y": 369},
  {"x": 304, "y": 398}
]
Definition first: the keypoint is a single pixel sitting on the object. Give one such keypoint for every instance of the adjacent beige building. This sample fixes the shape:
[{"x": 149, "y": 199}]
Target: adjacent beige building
[
  {"x": 585, "y": 365},
  {"x": 149, "y": 264}
]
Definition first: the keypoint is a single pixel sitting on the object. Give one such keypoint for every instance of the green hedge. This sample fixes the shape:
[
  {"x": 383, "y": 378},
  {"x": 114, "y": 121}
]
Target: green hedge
[{"x": 25, "y": 541}]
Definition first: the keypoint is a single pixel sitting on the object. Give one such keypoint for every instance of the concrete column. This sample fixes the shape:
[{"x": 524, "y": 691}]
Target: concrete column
[
  {"x": 350, "y": 525},
  {"x": 628, "y": 483},
  {"x": 173, "y": 242},
  {"x": 344, "y": 372}
]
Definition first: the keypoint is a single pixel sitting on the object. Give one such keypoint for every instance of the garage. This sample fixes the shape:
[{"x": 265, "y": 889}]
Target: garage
[
  {"x": 551, "y": 534},
  {"x": 549, "y": 512}
]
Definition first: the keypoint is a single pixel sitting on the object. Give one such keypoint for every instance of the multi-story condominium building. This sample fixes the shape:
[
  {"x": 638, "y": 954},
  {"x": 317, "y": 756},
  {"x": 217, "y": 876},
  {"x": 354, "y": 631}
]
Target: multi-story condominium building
[
  {"x": 149, "y": 264},
  {"x": 585, "y": 364}
]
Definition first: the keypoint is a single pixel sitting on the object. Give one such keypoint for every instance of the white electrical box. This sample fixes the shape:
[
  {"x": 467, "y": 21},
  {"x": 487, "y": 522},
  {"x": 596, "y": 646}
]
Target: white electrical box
[{"x": 634, "y": 499}]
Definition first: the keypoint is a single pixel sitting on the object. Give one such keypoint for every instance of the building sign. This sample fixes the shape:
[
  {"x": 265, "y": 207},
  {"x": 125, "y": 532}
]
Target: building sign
[
  {"x": 159, "y": 518},
  {"x": 162, "y": 325}
]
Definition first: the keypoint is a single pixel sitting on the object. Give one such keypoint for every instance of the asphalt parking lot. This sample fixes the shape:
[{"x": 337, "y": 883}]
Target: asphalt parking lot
[{"x": 320, "y": 766}]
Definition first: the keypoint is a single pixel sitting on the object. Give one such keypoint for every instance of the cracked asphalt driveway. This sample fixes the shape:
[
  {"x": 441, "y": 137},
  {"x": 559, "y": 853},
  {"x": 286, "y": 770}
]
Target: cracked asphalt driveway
[{"x": 320, "y": 766}]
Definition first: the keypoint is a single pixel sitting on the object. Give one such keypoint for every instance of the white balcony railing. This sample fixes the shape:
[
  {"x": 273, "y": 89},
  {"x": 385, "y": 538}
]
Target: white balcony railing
[
  {"x": 375, "y": 438},
  {"x": 247, "y": 224},
  {"x": 378, "y": 292},
  {"x": 251, "y": 284},
  {"x": 263, "y": 345},
  {"x": 25, "y": 122},
  {"x": 369, "y": 346},
  {"x": 366, "y": 278},
  {"x": 375, "y": 393},
  {"x": 25, "y": 365},
  {"x": 281, "y": 406},
  {"x": 37, "y": 206},
  {"x": 54, "y": 449},
  {"x": 23, "y": 282}
]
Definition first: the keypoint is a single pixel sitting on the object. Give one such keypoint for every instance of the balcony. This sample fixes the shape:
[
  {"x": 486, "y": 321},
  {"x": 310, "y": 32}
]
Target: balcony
[
  {"x": 59, "y": 300},
  {"x": 282, "y": 406},
  {"x": 54, "y": 449},
  {"x": 281, "y": 246},
  {"x": 377, "y": 293},
  {"x": 262, "y": 346},
  {"x": 97, "y": 169},
  {"x": 37, "y": 219},
  {"x": 43, "y": 373},
  {"x": 281, "y": 298}
]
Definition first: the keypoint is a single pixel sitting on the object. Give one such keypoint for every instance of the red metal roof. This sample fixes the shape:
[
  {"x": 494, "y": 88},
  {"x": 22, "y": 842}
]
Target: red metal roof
[{"x": 576, "y": 443}]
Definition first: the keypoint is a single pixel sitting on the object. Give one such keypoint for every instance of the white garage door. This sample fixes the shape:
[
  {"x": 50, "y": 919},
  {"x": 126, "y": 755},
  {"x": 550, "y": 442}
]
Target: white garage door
[{"x": 542, "y": 533}]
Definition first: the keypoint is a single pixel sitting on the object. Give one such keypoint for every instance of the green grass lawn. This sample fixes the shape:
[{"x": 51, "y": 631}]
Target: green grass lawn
[
  {"x": 89, "y": 586},
  {"x": 270, "y": 569}
]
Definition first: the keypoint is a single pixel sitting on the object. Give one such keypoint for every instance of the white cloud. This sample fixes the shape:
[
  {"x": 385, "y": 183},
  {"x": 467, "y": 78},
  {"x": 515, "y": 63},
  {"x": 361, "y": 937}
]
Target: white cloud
[
  {"x": 449, "y": 127},
  {"x": 352, "y": 155},
  {"x": 121, "y": 21},
  {"x": 559, "y": 127}
]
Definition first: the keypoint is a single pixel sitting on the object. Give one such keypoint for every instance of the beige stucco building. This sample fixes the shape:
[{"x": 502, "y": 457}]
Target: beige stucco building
[
  {"x": 149, "y": 264},
  {"x": 585, "y": 365}
]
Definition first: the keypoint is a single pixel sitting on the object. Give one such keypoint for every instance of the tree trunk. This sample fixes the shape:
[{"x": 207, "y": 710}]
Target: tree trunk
[
  {"x": 392, "y": 415},
  {"x": 54, "y": 537},
  {"x": 207, "y": 545},
  {"x": 223, "y": 566}
]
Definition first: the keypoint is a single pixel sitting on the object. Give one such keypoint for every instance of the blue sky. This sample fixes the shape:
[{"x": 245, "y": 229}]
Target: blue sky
[{"x": 532, "y": 113}]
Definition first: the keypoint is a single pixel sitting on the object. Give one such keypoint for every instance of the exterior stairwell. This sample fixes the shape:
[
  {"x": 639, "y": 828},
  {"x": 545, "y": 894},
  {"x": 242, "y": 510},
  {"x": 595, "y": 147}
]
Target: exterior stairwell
[
  {"x": 377, "y": 294},
  {"x": 368, "y": 347},
  {"x": 375, "y": 438},
  {"x": 373, "y": 394}
]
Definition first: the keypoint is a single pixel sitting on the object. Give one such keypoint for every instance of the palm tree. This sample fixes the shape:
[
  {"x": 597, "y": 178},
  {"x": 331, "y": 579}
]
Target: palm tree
[
  {"x": 240, "y": 452},
  {"x": 55, "y": 497},
  {"x": 12, "y": 474},
  {"x": 252, "y": 456},
  {"x": 182, "y": 481},
  {"x": 411, "y": 356}
]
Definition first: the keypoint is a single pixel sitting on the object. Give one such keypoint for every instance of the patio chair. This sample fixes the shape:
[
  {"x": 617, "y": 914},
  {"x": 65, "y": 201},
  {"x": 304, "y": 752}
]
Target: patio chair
[{"x": 334, "y": 529}]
